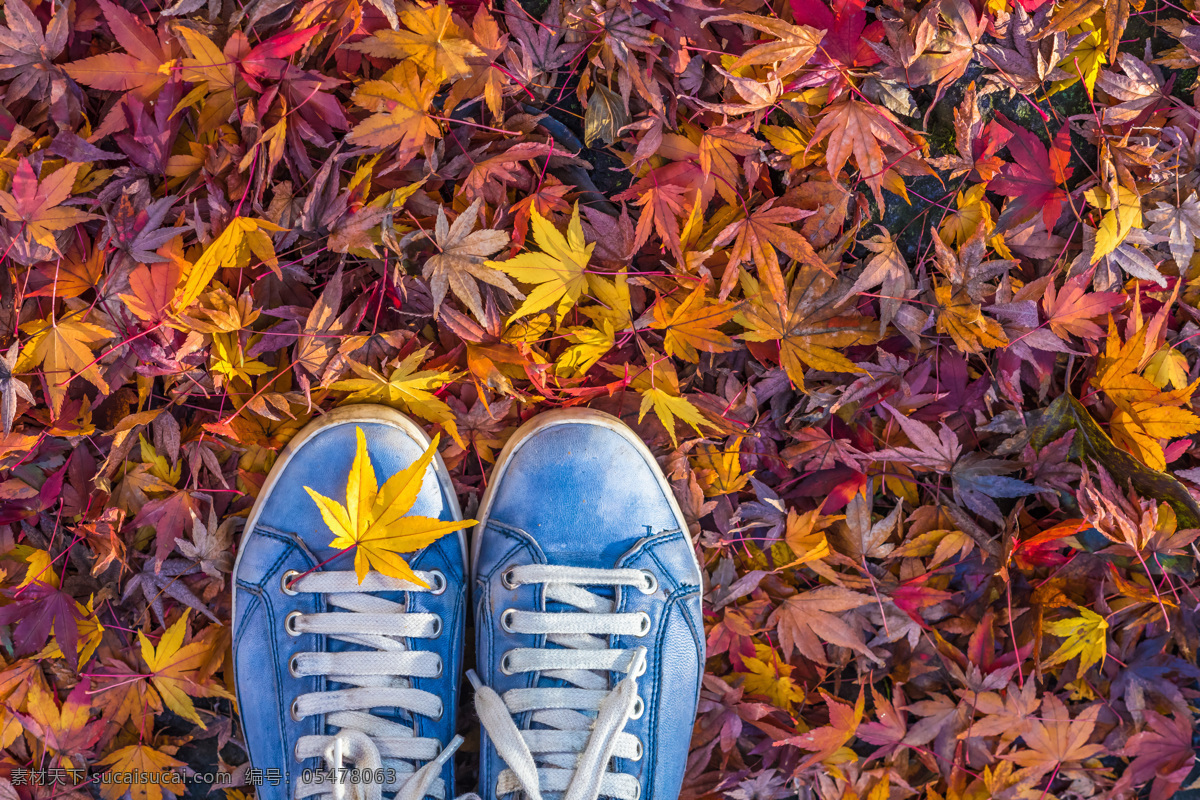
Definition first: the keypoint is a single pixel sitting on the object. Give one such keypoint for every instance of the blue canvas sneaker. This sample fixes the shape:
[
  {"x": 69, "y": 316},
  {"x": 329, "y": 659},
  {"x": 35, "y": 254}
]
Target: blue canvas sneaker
[
  {"x": 590, "y": 648},
  {"x": 348, "y": 689}
]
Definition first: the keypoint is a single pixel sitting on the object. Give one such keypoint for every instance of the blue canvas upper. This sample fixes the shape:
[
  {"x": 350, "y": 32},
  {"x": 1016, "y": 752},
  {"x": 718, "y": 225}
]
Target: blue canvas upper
[
  {"x": 580, "y": 492},
  {"x": 288, "y": 533}
]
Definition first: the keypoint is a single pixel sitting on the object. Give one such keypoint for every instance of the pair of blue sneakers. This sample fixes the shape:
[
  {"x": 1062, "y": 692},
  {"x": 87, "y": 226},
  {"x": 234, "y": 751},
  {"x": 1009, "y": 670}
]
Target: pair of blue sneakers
[{"x": 586, "y": 597}]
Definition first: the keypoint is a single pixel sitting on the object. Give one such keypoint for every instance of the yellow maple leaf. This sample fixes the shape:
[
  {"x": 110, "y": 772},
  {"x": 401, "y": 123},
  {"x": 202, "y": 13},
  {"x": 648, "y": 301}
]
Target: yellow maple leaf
[
  {"x": 373, "y": 521},
  {"x": 1167, "y": 366},
  {"x": 433, "y": 42},
  {"x": 588, "y": 345},
  {"x": 1140, "y": 428},
  {"x": 401, "y": 102},
  {"x": 691, "y": 325},
  {"x": 64, "y": 349},
  {"x": 719, "y": 470},
  {"x": 231, "y": 250},
  {"x": 558, "y": 273},
  {"x": 405, "y": 387},
  {"x": 1085, "y": 60},
  {"x": 1117, "y": 371},
  {"x": 805, "y": 535},
  {"x": 1145, "y": 414},
  {"x": 1117, "y": 222},
  {"x": 966, "y": 323},
  {"x": 793, "y": 142},
  {"x": 771, "y": 676},
  {"x": 811, "y": 328},
  {"x": 175, "y": 669},
  {"x": 1086, "y": 637},
  {"x": 140, "y": 761}
]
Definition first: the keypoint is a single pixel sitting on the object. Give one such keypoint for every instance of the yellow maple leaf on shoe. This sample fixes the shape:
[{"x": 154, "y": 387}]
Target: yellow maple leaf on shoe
[{"x": 374, "y": 519}]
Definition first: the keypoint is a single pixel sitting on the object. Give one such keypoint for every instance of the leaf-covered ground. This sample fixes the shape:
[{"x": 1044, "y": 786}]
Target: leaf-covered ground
[{"x": 904, "y": 296}]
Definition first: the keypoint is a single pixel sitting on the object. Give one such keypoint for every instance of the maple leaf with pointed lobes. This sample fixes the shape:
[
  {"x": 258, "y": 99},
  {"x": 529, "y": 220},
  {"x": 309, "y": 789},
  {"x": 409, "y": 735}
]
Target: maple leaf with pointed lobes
[
  {"x": 770, "y": 676},
  {"x": 401, "y": 103},
  {"x": 1070, "y": 310},
  {"x": 889, "y": 732},
  {"x": 811, "y": 327},
  {"x": 1056, "y": 741},
  {"x": 794, "y": 45},
  {"x": 1086, "y": 637},
  {"x": 888, "y": 270},
  {"x": 241, "y": 238},
  {"x": 691, "y": 325},
  {"x": 176, "y": 669},
  {"x": 827, "y": 741},
  {"x": 433, "y": 42},
  {"x": 27, "y": 54},
  {"x": 1144, "y": 414},
  {"x": 140, "y": 760},
  {"x": 806, "y": 620},
  {"x": 1006, "y": 716},
  {"x": 963, "y": 319},
  {"x": 374, "y": 521},
  {"x": 66, "y": 729},
  {"x": 847, "y": 34},
  {"x": 558, "y": 273},
  {"x": 459, "y": 262},
  {"x": 140, "y": 67},
  {"x": 11, "y": 388},
  {"x": 1162, "y": 752},
  {"x": 858, "y": 129},
  {"x": 171, "y": 517},
  {"x": 405, "y": 387},
  {"x": 38, "y": 610},
  {"x": 1180, "y": 224},
  {"x": 662, "y": 206},
  {"x": 64, "y": 350},
  {"x": 324, "y": 328},
  {"x": 757, "y": 236},
  {"x": 659, "y": 387},
  {"x": 1034, "y": 182},
  {"x": 37, "y": 204}
]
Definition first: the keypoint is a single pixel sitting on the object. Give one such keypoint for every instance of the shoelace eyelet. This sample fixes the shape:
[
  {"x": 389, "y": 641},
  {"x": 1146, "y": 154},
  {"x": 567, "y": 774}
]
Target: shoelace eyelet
[
  {"x": 439, "y": 670},
  {"x": 285, "y": 582},
  {"x": 288, "y": 623},
  {"x": 640, "y": 751},
  {"x": 295, "y": 711},
  {"x": 645, "y": 627},
  {"x": 651, "y": 584},
  {"x": 508, "y": 580},
  {"x": 292, "y": 669},
  {"x": 439, "y": 583},
  {"x": 437, "y": 628},
  {"x": 639, "y": 708},
  {"x": 506, "y": 664},
  {"x": 506, "y": 620}
]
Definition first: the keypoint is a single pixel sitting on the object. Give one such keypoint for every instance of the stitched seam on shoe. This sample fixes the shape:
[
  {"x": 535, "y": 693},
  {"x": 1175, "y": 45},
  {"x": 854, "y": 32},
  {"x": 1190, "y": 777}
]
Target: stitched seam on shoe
[
  {"x": 255, "y": 593},
  {"x": 273, "y": 644},
  {"x": 291, "y": 544},
  {"x": 519, "y": 539},
  {"x": 651, "y": 703}
]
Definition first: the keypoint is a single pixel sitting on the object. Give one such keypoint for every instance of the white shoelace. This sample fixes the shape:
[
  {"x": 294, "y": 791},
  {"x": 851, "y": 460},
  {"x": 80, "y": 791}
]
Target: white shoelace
[
  {"x": 379, "y": 678},
  {"x": 580, "y": 727}
]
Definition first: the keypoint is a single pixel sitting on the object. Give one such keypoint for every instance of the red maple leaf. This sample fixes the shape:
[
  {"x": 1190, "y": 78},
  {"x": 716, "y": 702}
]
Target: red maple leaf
[
  {"x": 39, "y": 610},
  {"x": 1034, "y": 182},
  {"x": 846, "y": 43}
]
